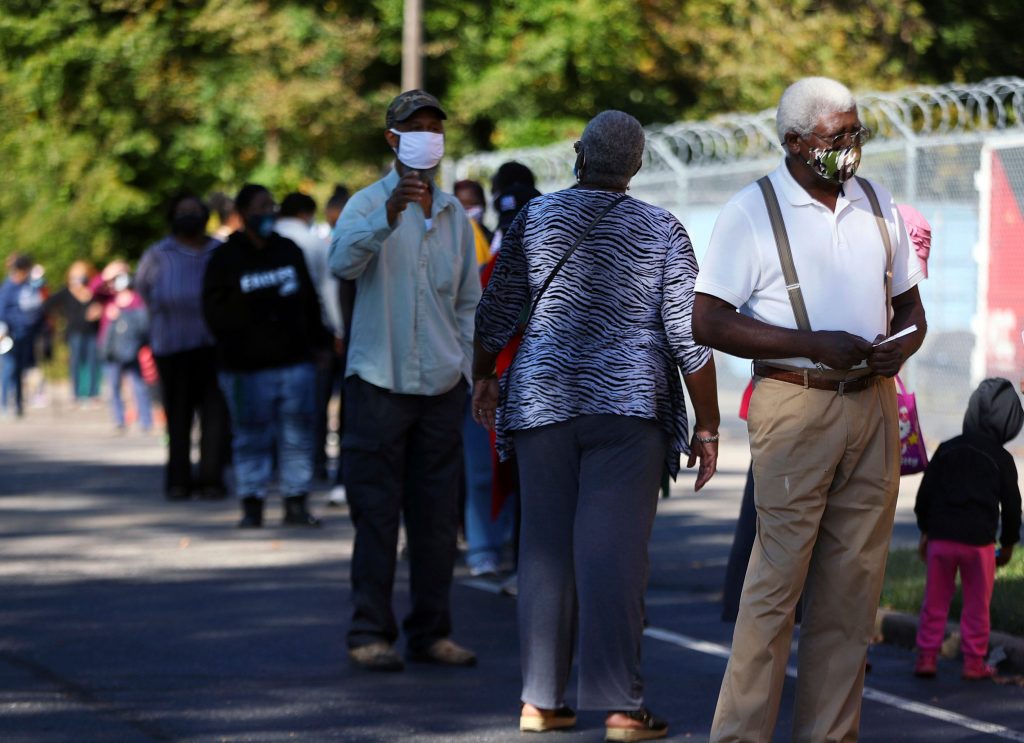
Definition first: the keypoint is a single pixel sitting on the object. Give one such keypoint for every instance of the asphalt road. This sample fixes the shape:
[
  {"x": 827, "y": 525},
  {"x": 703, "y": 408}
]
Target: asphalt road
[{"x": 125, "y": 618}]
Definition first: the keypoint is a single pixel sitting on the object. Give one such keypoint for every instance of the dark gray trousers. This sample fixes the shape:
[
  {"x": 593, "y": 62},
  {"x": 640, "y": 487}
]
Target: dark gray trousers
[
  {"x": 589, "y": 490},
  {"x": 402, "y": 457}
]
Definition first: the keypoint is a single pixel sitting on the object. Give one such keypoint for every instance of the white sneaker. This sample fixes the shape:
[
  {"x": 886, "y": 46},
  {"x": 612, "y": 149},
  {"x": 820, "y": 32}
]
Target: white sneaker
[
  {"x": 511, "y": 586},
  {"x": 337, "y": 496},
  {"x": 485, "y": 567}
]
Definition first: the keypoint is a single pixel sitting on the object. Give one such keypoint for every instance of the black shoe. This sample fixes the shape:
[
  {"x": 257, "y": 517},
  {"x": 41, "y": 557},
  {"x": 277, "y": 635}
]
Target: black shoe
[
  {"x": 213, "y": 492},
  {"x": 252, "y": 513},
  {"x": 295, "y": 513},
  {"x": 177, "y": 493}
]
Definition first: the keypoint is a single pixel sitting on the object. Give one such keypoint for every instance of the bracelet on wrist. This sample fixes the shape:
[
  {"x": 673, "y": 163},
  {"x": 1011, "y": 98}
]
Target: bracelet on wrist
[
  {"x": 705, "y": 439},
  {"x": 492, "y": 374}
]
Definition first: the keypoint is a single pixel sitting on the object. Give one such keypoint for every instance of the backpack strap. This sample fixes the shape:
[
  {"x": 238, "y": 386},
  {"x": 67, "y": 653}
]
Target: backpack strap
[
  {"x": 883, "y": 228},
  {"x": 796, "y": 297}
]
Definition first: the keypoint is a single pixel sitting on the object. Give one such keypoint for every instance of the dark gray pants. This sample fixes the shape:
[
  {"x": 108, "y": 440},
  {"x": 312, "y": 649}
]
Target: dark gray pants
[
  {"x": 589, "y": 489},
  {"x": 402, "y": 456}
]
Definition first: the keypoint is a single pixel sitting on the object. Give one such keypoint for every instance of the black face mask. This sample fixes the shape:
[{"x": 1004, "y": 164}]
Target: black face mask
[{"x": 189, "y": 225}]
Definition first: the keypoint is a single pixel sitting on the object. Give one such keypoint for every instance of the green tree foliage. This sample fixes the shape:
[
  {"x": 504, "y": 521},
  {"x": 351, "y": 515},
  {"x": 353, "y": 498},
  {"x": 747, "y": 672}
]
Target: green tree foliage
[
  {"x": 110, "y": 106},
  {"x": 974, "y": 40},
  {"x": 529, "y": 71}
]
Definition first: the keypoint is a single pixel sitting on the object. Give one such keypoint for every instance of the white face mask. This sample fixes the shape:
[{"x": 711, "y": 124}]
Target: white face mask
[
  {"x": 419, "y": 150},
  {"x": 476, "y": 213}
]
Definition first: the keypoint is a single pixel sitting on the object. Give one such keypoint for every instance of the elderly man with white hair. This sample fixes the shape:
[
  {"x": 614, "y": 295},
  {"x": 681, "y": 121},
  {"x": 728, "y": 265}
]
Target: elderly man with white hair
[{"x": 820, "y": 266}]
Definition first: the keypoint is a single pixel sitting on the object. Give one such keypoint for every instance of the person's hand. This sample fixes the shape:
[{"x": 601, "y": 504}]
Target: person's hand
[
  {"x": 409, "y": 189},
  {"x": 707, "y": 453},
  {"x": 485, "y": 402},
  {"x": 1004, "y": 555},
  {"x": 887, "y": 359},
  {"x": 922, "y": 547},
  {"x": 838, "y": 350}
]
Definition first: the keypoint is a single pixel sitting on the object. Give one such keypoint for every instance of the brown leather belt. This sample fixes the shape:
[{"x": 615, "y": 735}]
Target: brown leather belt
[{"x": 813, "y": 380}]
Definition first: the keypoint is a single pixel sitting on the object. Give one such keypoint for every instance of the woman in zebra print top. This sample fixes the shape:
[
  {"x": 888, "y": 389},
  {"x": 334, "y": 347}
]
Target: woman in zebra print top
[{"x": 594, "y": 408}]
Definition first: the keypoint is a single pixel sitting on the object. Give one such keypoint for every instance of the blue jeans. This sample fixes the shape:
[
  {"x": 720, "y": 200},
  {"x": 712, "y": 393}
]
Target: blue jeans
[
  {"x": 116, "y": 371},
  {"x": 83, "y": 365},
  {"x": 266, "y": 406},
  {"x": 484, "y": 536},
  {"x": 15, "y": 362}
]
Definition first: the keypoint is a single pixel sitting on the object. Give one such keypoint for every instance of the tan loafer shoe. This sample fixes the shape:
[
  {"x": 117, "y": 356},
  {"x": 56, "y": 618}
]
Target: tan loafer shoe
[
  {"x": 377, "y": 656},
  {"x": 443, "y": 652}
]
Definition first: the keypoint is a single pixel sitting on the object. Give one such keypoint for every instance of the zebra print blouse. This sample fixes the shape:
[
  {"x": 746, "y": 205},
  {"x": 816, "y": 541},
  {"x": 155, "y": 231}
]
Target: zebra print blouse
[{"x": 611, "y": 329}]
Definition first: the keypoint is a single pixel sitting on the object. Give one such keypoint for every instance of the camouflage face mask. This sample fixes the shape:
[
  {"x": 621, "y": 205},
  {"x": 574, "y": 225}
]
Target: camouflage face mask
[{"x": 837, "y": 165}]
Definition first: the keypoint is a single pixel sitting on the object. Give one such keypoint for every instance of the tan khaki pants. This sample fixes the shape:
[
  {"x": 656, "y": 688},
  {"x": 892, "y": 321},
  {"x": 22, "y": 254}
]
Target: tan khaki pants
[{"x": 826, "y": 476}]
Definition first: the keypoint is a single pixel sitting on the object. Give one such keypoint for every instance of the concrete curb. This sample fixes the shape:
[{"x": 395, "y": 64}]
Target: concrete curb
[{"x": 897, "y": 628}]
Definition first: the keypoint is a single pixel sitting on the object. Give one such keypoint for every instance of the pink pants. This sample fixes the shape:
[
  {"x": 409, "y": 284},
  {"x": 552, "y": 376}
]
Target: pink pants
[{"x": 977, "y": 566}]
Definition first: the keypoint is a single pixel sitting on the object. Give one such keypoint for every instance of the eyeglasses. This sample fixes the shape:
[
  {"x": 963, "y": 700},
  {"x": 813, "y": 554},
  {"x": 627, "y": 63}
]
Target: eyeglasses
[{"x": 846, "y": 139}]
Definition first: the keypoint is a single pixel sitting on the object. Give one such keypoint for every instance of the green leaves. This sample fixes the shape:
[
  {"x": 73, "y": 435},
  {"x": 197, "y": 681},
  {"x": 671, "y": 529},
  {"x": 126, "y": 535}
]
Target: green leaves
[
  {"x": 113, "y": 106},
  {"x": 110, "y": 106}
]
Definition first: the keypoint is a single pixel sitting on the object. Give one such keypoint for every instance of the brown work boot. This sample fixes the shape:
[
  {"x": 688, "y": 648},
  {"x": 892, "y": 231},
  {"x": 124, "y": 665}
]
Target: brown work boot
[
  {"x": 443, "y": 652},
  {"x": 377, "y": 656}
]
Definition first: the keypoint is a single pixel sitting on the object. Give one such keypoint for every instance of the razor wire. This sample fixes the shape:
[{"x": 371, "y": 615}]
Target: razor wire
[
  {"x": 927, "y": 150},
  {"x": 964, "y": 111}
]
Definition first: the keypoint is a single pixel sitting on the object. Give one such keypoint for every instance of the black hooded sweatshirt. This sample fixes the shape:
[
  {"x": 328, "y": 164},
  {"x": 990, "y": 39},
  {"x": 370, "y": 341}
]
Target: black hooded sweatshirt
[
  {"x": 972, "y": 478},
  {"x": 261, "y": 306}
]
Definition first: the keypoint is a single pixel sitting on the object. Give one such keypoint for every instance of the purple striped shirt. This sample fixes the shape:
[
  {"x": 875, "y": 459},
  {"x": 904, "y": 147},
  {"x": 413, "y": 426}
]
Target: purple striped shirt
[{"x": 170, "y": 279}]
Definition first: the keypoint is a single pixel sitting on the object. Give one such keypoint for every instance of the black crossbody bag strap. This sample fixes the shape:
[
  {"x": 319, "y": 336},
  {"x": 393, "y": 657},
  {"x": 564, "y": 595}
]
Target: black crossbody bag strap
[
  {"x": 887, "y": 242},
  {"x": 568, "y": 254},
  {"x": 796, "y": 297}
]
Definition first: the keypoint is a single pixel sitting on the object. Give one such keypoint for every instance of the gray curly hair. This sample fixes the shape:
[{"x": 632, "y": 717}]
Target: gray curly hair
[
  {"x": 804, "y": 103},
  {"x": 613, "y": 147}
]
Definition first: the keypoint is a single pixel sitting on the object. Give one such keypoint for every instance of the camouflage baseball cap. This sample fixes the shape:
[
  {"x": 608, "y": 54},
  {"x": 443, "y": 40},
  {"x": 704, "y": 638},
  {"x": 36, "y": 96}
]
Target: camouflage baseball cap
[{"x": 409, "y": 103}]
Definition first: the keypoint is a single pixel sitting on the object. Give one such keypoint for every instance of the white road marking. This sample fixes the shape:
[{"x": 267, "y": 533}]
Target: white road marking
[
  {"x": 891, "y": 700},
  {"x": 874, "y": 695}
]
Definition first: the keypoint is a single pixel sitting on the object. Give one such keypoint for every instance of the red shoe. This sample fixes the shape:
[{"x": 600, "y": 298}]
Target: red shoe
[
  {"x": 976, "y": 669},
  {"x": 927, "y": 664}
]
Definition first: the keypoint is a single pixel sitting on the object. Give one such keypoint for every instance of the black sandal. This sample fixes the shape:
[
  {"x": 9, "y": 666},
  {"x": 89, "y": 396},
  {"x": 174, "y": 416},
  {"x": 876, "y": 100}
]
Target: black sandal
[{"x": 652, "y": 727}]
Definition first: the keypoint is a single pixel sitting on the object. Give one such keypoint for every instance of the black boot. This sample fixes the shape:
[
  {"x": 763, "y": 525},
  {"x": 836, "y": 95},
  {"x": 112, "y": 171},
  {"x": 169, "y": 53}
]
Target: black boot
[
  {"x": 252, "y": 513},
  {"x": 295, "y": 513}
]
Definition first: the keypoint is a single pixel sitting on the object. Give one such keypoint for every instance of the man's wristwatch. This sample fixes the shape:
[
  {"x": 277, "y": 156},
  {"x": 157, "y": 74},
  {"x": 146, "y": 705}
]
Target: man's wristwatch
[{"x": 705, "y": 439}]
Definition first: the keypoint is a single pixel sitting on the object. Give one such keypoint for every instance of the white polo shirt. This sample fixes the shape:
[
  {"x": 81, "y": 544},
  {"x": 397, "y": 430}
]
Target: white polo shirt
[{"x": 840, "y": 259}]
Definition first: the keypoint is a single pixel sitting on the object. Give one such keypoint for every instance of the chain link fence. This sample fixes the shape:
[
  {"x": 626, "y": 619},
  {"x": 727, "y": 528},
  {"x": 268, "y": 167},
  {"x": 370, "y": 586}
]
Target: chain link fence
[{"x": 955, "y": 152}]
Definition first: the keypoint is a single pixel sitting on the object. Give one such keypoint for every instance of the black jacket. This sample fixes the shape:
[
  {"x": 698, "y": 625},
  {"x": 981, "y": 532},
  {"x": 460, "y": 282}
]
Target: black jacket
[
  {"x": 261, "y": 306},
  {"x": 970, "y": 480}
]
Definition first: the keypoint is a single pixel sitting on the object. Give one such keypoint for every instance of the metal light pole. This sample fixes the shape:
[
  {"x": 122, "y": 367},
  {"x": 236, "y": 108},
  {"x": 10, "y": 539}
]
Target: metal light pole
[{"x": 412, "y": 45}]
